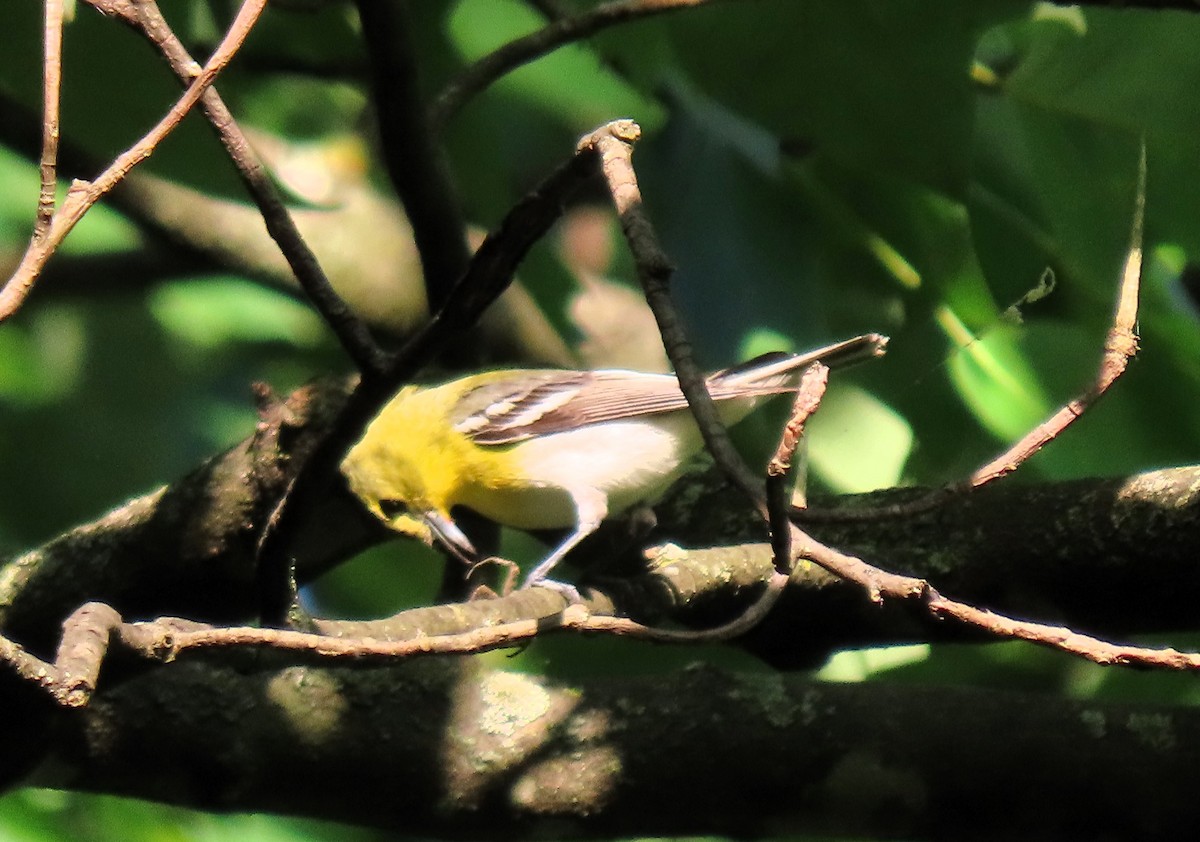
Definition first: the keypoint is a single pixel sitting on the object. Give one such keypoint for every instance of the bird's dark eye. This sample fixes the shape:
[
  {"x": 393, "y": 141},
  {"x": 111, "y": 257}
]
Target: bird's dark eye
[{"x": 392, "y": 508}]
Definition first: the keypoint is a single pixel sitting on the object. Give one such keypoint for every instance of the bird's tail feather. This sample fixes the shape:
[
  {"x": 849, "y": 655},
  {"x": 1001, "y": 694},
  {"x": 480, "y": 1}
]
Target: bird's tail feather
[{"x": 771, "y": 371}]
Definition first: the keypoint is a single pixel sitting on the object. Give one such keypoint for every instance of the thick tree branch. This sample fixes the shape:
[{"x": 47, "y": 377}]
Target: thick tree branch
[
  {"x": 445, "y": 749},
  {"x": 1071, "y": 552}
]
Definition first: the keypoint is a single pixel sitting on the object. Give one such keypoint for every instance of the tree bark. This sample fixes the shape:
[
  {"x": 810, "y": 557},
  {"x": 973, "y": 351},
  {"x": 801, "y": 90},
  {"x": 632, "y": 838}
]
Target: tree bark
[{"x": 448, "y": 748}]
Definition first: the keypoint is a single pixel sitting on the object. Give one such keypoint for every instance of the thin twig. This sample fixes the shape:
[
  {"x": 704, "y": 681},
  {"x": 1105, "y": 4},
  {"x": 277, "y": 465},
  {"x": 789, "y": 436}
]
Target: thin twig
[
  {"x": 614, "y": 143},
  {"x": 83, "y": 194},
  {"x": 27, "y": 665},
  {"x": 146, "y": 18},
  {"x": 880, "y": 584},
  {"x": 165, "y": 642},
  {"x": 51, "y": 88},
  {"x": 71, "y": 679},
  {"x": 416, "y": 164},
  {"x": 1120, "y": 346},
  {"x": 523, "y": 50},
  {"x": 90, "y": 631},
  {"x": 161, "y": 639},
  {"x": 808, "y": 397}
]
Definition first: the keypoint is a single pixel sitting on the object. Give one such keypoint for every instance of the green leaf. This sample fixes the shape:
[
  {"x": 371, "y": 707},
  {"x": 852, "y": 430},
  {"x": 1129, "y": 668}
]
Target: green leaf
[
  {"x": 570, "y": 82},
  {"x": 862, "y": 664},
  {"x": 995, "y": 379},
  {"x": 220, "y": 310},
  {"x": 1115, "y": 68},
  {"x": 856, "y": 442},
  {"x": 42, "y": 358},
  {"x": 882, "y": 85}
]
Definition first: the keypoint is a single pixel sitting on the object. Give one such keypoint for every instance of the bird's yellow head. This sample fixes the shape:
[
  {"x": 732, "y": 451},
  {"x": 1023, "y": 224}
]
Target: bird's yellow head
[{"x": 403, "y": 468}]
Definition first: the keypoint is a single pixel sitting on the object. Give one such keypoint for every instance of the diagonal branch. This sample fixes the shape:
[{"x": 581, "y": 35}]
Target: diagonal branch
[
  {"x": 83, "y": 194},
  {"x": 146, "y": 18},
  {"x": 1120, "y": 346},
  {"x": 614, "y": 144},
  {"x": 51, "y": 89},
  {"x": 530, "y": 47}
]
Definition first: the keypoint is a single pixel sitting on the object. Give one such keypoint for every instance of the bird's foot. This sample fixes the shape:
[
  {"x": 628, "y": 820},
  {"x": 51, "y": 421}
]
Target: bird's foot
[{"x": 568, "y": 591}]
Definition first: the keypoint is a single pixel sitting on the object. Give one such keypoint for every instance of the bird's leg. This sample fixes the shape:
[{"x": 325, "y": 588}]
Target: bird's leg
[{"x": 591, "y": 507}]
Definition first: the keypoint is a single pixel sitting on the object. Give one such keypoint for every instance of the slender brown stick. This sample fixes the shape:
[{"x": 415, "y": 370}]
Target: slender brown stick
[
  {"x": 614, "y": 143},
  {"x": 146, "y": 18},
  {"x": 71, "y": 679},
  {"x": 1120, "y": 346},
  {"x": 808, "y": 398},
  {"x": 51, "y": 87},
  {"x": 880, "y": 584},
  {"x": 165, "y": 642},
  {"x": 523, "y": 50},
  {"x": 89, "y": 632},
  {"x": 83, "y": 194}
]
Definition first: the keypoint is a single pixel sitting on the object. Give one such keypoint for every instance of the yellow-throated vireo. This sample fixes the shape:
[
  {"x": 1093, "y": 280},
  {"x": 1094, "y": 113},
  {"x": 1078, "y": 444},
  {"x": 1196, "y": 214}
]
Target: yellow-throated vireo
[{"x": 549, "y": 449}]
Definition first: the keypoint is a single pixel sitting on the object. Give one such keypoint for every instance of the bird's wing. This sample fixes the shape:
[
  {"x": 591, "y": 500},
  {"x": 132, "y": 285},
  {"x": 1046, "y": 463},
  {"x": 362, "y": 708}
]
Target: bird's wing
[
  {"x": 544, "y": 402},
  {"x": 524, "y": 404}
]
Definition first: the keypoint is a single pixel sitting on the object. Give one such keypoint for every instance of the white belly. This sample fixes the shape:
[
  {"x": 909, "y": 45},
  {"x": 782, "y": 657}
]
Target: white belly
[{"x": 628, "y": 461}]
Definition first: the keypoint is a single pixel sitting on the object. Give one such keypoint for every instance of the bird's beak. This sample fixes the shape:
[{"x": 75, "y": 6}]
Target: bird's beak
[{"x": 449, "y": 534}]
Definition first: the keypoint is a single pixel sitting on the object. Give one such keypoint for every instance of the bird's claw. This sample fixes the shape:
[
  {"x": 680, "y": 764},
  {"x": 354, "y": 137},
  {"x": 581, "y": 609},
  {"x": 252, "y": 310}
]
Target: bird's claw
[{"x": 568, "y": 591}]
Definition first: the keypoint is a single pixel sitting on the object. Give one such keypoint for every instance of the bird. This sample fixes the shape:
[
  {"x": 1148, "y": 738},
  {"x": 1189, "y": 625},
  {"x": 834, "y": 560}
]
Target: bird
[{"x": 542, "y": 449}]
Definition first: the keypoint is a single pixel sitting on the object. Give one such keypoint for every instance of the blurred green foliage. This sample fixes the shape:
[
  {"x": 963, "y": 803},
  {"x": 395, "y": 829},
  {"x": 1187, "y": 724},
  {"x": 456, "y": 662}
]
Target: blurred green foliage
[
  {"x": 51, "y": 816},
  {"x": 815, "y": 170}
]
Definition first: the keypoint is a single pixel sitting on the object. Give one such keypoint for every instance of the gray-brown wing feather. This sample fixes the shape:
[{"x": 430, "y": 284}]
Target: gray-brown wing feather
[
  {"x": 538, "y": 403},
  {"x": 541, "y": 403}
]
